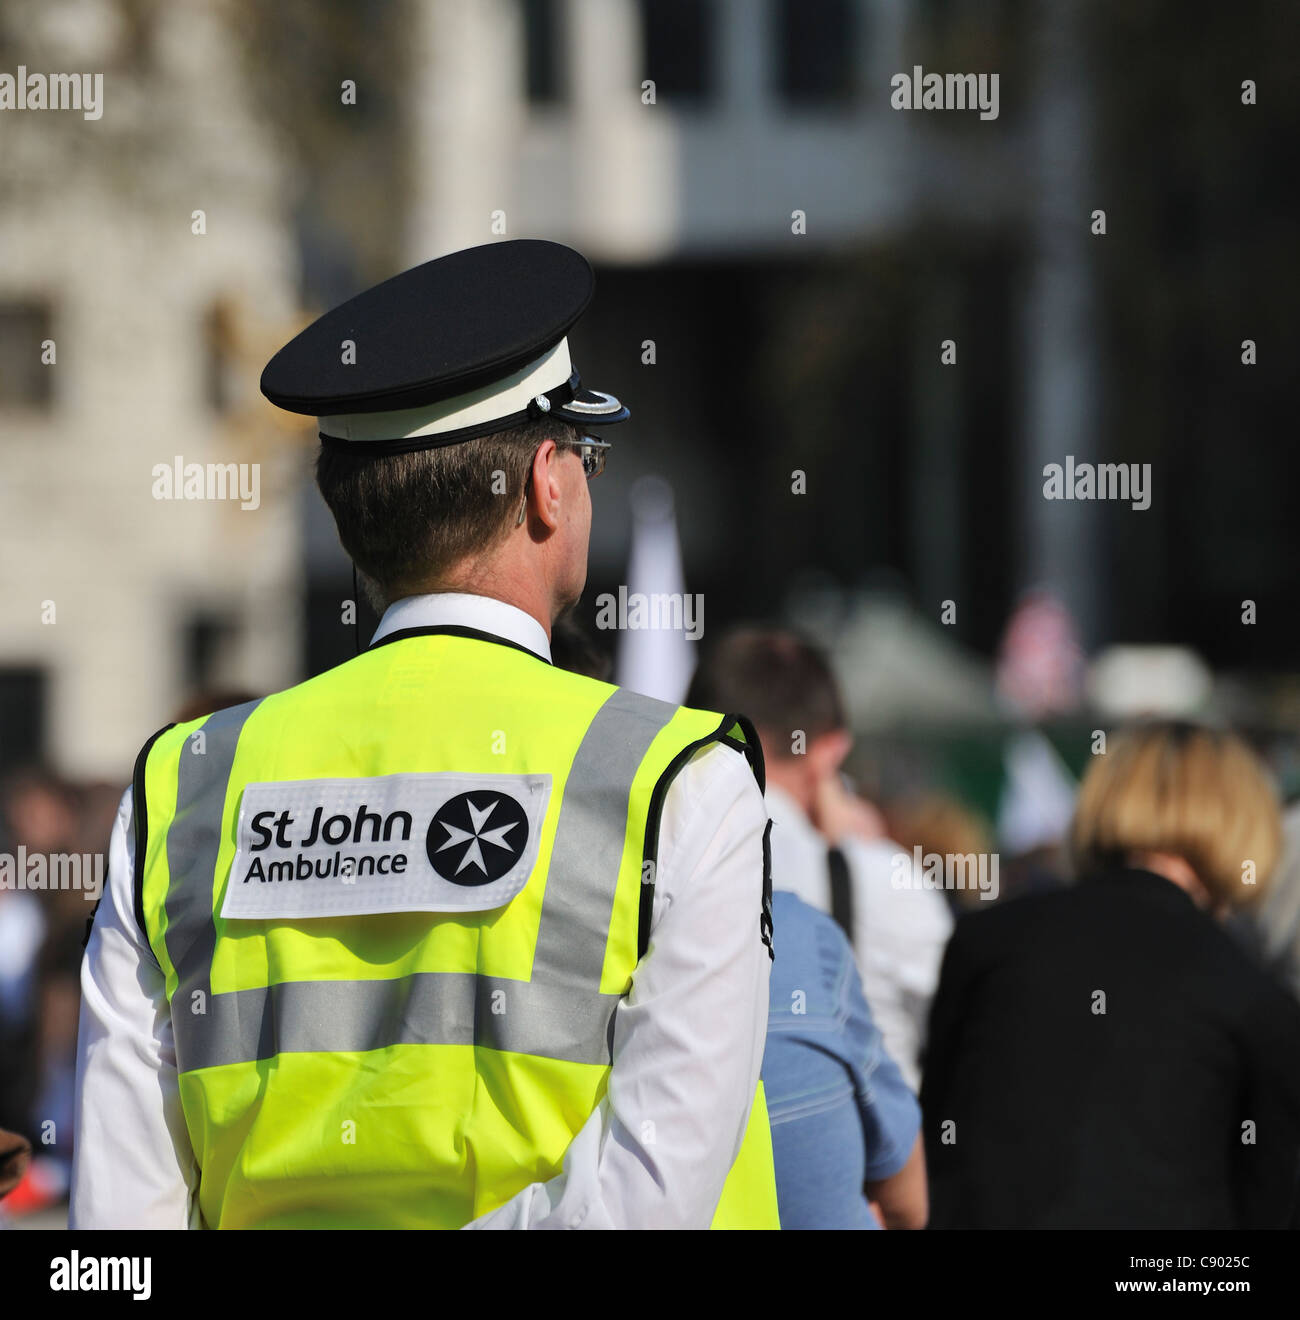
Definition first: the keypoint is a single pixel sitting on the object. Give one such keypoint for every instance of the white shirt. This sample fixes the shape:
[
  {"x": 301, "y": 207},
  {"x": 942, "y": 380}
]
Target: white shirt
[
  {"x": 899, "y": 935},
  {"x": 688, "y": 1038}
]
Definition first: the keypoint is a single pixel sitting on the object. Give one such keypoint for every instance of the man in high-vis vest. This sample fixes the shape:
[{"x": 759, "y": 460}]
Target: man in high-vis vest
[{"x": 444, "y": 936}]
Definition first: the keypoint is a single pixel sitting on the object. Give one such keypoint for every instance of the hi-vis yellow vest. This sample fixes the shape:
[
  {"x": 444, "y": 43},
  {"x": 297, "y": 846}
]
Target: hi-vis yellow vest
[{"x": 377, "y": 1065}]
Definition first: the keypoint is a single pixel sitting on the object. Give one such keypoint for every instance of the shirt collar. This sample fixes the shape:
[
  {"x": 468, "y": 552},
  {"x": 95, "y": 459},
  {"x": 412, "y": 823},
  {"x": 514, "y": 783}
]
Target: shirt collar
[{"x": 459, "y": 609}]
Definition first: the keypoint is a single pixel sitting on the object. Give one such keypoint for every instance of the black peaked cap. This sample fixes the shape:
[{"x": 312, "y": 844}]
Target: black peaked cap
[{"x": 436, "y": 331}]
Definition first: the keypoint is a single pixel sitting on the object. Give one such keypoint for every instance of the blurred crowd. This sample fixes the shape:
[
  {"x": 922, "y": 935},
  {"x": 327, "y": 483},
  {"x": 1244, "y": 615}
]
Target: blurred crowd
[
  {"x": 1099, "y": 1028},
  {"x": 41, "y": 938},
  {"x": 1096, "y": 1026}
]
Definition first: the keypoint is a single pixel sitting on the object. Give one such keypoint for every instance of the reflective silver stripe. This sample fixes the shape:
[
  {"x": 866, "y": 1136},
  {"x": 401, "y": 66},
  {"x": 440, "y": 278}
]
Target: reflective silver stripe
[
  {"x": 559, "y": 1013},
  {"x": 427, "y": 1008},
  {"x": 583, "y": 875},
  {"x": 193, "y": 840}
]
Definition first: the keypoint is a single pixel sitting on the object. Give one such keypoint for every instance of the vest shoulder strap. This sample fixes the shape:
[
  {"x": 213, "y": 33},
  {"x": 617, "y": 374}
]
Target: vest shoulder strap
[
  {"x": 734, "y": 731},
  {"x": 140, "y": 830}
]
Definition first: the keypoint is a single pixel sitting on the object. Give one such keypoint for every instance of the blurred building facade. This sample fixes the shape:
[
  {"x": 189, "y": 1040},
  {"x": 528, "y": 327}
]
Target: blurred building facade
[
  {"x": 740, "y": 178},
  {"x": 782, "y": 256},
  {"x": 647, "y": 132},
  {"x": 132, "y": 332}
]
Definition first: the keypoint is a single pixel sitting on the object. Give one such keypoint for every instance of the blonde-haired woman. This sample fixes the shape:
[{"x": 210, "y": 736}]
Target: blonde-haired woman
[{"x": 1107, "y": 1056}]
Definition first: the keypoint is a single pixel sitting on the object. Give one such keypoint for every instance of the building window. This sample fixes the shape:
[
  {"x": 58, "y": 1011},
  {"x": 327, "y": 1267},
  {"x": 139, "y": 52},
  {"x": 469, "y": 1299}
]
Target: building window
[
  {"x": 26, "y": 376},
  {"x": 678, "y": 40},
  {"x": 815, "y": 46},
  {"x": 543, "y": 67},
  {"x": 209, "y": 644}
]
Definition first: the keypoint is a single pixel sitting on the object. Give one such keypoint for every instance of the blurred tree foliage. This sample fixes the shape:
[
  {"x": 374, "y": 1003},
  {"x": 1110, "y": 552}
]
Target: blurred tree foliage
[
  {"x": 182, "y": 81},
  {"x": 351, "y": 159}
]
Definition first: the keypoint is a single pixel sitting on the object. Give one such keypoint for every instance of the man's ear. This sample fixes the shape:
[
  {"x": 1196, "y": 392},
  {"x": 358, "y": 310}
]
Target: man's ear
[{"x": 544, "y": 488}]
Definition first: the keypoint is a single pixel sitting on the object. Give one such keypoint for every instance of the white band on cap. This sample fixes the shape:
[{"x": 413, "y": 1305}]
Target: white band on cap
[{"x": 502, "y": 398}]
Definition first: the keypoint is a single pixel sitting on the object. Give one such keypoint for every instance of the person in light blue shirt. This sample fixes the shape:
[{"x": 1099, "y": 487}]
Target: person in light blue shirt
[{"x": 845, "y": 1125}]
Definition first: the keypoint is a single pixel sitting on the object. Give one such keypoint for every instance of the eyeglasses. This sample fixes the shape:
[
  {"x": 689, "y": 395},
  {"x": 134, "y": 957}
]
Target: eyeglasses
[{"x": 592, "y": 453}]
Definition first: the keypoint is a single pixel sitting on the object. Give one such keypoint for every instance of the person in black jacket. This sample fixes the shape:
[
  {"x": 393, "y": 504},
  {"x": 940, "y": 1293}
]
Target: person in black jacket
[{"x": 1106, "y": 1056}]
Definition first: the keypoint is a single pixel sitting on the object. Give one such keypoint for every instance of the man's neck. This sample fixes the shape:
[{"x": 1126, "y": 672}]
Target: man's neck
[{"x": 523, "y": 593}]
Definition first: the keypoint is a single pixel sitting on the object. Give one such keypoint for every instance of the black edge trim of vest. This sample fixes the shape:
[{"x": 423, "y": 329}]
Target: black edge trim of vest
[
  {"x": 140, "y": 821},
  {"x": 455, "y": 630},
  {"x": 650, "y": 853},
  {"x": 753, "y": 749},
  {"x": 765, "y": 922}
]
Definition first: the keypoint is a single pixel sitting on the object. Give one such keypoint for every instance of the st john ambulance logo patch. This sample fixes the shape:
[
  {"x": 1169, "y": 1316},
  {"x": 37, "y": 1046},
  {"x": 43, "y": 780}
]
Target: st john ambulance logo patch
[
  {"x": 476, "y": 838},
  {"x": 438, "y": 842}
]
